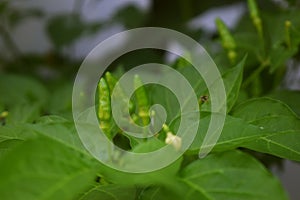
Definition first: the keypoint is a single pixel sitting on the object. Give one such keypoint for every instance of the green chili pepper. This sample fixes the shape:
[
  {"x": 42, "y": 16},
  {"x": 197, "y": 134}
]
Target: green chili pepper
[
  {"x": 227, "y": 40},
  {"x": 254, "y": 13},
  {"x": 142, "y": 100},
  {"x": 287, "y": 33},
  {"x": 104, "y": 112},
  {"x": 112, "y": 81}
]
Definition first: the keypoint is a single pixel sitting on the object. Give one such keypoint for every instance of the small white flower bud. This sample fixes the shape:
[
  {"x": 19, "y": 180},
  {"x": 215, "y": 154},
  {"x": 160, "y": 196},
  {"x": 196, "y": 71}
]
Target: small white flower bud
[{"x": 173, "y": 140}]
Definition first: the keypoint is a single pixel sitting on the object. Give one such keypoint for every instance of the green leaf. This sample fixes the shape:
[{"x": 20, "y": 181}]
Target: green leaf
[
  {"x": 23, "y": 97},
  {"x": 108, "y": 192},
  {"x": 16, "y": 89},
  {"x": 161, "y": 176},
  {"x": 53, "y": 127},
  {"x": 59, "y": 129},
  {"x": 234, "y": 133},
  {"x": 44, "y": 169},
  {"x": 257, "y": 108},
  {"x": 152, "y": 144},
  {"x": 230, "y": 175},
  {"x": 164, "y": 193},
  {"x": 60, "y": 102},
  {"x": 6, "y": 145},
  {"x": 23, "y": 113},
  {"x": 232, "y": 80},
  {"x": 278, "y": 120},
  {"x": 11, "y": 135},
  {"x": 161, "y": 95},
  {"x": 195, "y": 79},
  {"x": 290, "y": 97}
]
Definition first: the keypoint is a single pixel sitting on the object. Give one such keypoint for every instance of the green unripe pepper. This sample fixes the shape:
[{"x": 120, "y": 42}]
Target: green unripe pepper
[
  {"x": 254, "y": 14},
  {"x": 142, "y": 100},
  {"x": 287, "y": 33},
  {"x": 227, "y": 40},
  {"x": 112, "y": 81},
  {"x": 104, "y": 111}
]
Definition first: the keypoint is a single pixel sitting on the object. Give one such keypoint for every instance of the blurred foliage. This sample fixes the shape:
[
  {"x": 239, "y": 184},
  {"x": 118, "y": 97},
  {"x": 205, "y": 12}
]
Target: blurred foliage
[
  {"x": 64, "y": 30},
  {"x": 279, "y": 42}
]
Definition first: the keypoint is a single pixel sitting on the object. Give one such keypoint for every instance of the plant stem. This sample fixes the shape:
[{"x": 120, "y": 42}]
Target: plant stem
[{"x": 253, "y": 76}]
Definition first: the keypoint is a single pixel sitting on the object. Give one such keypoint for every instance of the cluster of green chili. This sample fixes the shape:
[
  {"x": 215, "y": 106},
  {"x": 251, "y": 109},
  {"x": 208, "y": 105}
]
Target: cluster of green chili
[
  {"x": 257, "y": 22},
  {"x": 228, "y": 41},
  {"x": 105, "y": 88}
]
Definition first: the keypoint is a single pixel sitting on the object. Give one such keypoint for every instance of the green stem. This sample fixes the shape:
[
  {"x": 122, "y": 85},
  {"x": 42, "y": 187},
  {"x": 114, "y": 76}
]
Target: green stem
[{"x": 253, "y": 76}]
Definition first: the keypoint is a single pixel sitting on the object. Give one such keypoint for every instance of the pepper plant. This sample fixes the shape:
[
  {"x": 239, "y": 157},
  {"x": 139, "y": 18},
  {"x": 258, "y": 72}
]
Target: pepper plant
[{"x": 42, "y": 156}]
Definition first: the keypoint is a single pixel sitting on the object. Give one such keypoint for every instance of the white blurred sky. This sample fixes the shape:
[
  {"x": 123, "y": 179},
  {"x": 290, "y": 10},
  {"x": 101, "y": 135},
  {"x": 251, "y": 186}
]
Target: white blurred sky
[{"x": 30, "y": 36}]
